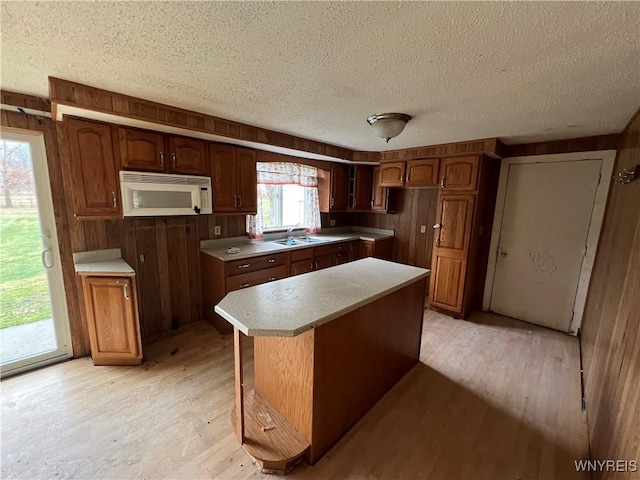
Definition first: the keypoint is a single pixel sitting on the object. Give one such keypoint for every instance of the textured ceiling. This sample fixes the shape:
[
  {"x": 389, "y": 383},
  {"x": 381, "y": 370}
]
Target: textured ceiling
[{"x": 520, "y": 71}]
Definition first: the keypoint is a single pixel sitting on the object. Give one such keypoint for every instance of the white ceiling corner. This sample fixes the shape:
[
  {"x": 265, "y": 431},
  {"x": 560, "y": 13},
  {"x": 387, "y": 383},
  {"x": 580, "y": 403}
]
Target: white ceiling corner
[{"x": 522, "y": 71}]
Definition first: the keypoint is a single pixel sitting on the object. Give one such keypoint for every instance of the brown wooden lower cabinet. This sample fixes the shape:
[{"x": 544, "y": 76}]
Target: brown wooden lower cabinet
[
  {"x": 382, "y": 249},
  {"x": 112, "y": 320},
  {"x": 220, "y": 277}
]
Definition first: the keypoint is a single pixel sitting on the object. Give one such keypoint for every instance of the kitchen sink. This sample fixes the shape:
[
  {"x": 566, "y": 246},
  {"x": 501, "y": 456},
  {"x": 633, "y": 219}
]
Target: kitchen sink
[
  {"x": 309, "y": 240},
  {"x": 298, "y": 241}
]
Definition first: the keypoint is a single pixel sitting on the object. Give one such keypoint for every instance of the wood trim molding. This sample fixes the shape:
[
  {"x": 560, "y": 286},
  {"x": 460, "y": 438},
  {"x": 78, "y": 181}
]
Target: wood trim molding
[
  {"x": 72, "y": 94},
  {"x": 584, "y": 144},
  {"x": 63, "y": 92},
  {"x": 489, "y": 146},
  {"x": 25, "y": 101}
]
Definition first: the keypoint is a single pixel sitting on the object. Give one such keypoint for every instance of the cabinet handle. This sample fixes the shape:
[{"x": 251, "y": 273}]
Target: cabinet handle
[
  {"x": 355, "y": 202},
  {"x": 126, "y": 291},
  {"x": 332, "y": 202},
  {"x": 315, "y": 265},
  {"x": 162, "y": 159},
  {"x": 245, "y": 285},
  {"x": 244, "y": 265},
  {"x": 173, "y": 160},
  {"x": 271, "y": 279},
  {"x": 442, "y": 182},
  {"x": 115, "y": 199},
  {"x": 235, "y": 201},
  {"x": 239, "y": 201},
  {"x": 273, "y": 260}
]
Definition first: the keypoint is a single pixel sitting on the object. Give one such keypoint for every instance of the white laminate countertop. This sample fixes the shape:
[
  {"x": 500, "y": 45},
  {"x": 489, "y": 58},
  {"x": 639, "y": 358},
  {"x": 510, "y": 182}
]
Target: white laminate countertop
[
  {"x": 291, "y": 306},
  {"x": 102, "y": 262},
  {"x": 250, "y": 248}
]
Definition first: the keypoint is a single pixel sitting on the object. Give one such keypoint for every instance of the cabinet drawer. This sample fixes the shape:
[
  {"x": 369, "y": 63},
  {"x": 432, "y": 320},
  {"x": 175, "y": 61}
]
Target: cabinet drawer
[
  {"x": 341, "y": 257},
  {"x": 341, "y": 247},
  {"x": 238, "y": 267},
  {"x": 251, "y": 279},
  {"x": 302, "y": 254},
  {"x": 322, "y": 251}
]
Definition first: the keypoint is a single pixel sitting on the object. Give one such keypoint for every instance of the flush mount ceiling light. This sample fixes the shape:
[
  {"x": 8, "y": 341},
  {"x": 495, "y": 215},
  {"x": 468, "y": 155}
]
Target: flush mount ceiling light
[{"x": 388, "y": 125}]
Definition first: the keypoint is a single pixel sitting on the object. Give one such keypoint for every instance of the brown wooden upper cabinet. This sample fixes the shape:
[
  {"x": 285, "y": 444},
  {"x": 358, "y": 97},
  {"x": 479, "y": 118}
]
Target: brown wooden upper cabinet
[
  {"x": 459, "y": 173},
  {"x": 233, "y": 178},
  {"x": 339, "y": 186},
  {"x": 155, "y": 152},
  {"x": 392, "y": 174},
  {"x": 93, "y": 168},
  {"x": 360, "y": 186},
  {"x": 419, "y": 173}
]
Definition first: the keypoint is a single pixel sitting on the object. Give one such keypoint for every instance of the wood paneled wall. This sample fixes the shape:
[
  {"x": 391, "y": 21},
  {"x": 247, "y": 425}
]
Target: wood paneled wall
[
  {"x": 611, "y": 324},
  {"x": 416, "y": 207},
  {"x": 585, "y": 144}
]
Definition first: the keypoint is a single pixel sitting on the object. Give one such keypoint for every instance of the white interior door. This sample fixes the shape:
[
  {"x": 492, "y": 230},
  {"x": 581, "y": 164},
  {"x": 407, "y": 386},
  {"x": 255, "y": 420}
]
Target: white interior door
[
  {"x": 547, "y": 214},
  {"x": 33, "y": 314}
]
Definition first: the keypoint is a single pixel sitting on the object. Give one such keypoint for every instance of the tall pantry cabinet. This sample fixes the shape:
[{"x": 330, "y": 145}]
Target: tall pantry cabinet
[{"x": 464, "y": 218}]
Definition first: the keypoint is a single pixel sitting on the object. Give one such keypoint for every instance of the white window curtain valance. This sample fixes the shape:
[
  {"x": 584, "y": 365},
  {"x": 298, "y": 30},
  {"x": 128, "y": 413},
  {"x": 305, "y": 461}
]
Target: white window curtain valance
[{"x": 281, "y": 173}]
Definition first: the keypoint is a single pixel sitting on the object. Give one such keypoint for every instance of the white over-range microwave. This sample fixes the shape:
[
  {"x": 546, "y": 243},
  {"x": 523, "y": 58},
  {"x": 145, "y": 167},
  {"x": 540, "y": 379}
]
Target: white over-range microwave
[{"x": 157, "y": 194}]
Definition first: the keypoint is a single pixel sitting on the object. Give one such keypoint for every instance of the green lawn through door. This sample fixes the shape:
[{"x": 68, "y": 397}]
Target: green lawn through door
[{"x": 24, "y": 293}]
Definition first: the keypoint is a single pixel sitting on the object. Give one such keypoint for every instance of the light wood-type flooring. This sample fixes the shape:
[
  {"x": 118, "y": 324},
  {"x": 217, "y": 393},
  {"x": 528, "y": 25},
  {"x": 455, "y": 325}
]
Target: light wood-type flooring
[{"x": 492, "y": 398}]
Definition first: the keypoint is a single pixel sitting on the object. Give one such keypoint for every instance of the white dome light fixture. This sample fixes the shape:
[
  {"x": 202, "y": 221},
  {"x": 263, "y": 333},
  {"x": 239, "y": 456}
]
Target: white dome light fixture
[{"x": 388, "y": 125}]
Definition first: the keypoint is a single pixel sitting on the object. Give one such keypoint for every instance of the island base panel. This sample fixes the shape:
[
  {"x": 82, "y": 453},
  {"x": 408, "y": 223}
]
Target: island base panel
[
  {"x": 325, "y": 380},
  {"x": 268, "y": 437}
]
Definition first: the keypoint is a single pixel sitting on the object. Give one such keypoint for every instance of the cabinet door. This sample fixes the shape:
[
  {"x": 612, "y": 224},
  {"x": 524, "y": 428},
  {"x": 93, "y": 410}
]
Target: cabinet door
[
  {"x": 354, "y": 250},
  {"x": 112, "y": 320},
  {"x": 422, "y": 173},
  {"x": 323, "y": 261},
  {"x": 392, "y": 174},
  {"x": 142, "y": 150},
  {"x": 363, "y": 182},
  {"x": 451, "y": 246},
  {"x": 302, "y": 266},
  {"x": 223, "y": 177},
  {"x": 94, "y": 174},
  {"x": 455, "y": 214},
  {"x": 188, "y": 156},
  {"x": 447, "y": 282},
  {"x": 339, "y": 186},
  {"x": 366, "y": 248},
  {"x": 246, "y": 180},
  {"x": 379, "y": 194},
  {"x": 459, "y": 173}
]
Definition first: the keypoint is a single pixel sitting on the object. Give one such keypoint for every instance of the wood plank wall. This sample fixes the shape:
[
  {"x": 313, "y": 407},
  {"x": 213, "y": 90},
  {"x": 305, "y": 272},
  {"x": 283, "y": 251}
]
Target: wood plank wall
[
  {"x": 611, "y": 323},
  {"x": 416, "y": 207}
]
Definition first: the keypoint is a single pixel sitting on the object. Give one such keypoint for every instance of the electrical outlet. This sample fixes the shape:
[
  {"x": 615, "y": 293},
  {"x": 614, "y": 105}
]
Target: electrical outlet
[
  {"x": 216, "y": 230},
  {"x": 423, "y": 229},
  {"x": 332, "y": 223}
]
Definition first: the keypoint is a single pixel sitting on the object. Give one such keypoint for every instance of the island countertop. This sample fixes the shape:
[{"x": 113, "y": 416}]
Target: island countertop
[{"x": 293, "y": 305}]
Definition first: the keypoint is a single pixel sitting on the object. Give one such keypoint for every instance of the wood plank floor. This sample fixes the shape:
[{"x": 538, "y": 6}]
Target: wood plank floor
[{"x": 492, "y": 398}]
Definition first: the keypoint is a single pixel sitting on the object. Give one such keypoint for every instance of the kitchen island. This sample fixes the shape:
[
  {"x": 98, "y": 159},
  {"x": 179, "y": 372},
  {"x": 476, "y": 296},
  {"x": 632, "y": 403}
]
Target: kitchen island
[{"x": 327, "y": 346}]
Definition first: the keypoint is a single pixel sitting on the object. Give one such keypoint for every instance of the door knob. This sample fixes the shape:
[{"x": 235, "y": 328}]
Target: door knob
[{"x": 503, "y": 253}]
